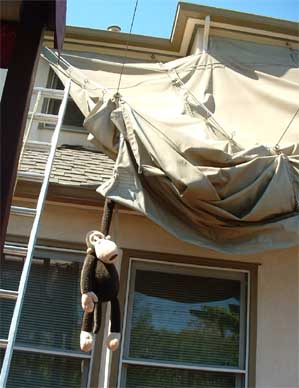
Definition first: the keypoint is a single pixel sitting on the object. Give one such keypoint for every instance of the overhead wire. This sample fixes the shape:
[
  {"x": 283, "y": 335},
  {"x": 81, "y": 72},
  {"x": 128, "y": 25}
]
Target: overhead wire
[
  {"x": 127, "y": 47},
  {"x": 286, "y": 129},
  {"x": 123, "y": 63}
]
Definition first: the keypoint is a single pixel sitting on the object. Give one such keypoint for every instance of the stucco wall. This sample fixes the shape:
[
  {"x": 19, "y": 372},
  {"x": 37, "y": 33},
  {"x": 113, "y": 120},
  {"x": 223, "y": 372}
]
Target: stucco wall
[{"x": 277, "y": 325}]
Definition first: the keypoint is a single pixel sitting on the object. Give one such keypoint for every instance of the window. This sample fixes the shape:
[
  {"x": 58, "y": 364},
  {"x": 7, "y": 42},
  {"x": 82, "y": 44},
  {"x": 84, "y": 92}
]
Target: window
[
  {"x": 73, "y": 118},
  {"x": 184, "y": 326},
  {"x": 47, "y": 345}
]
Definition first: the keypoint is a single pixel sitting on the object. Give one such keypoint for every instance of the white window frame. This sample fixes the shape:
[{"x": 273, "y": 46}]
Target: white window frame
[
  {"x": 51, "y": 81},
  {"x": 174, "y": 268}
]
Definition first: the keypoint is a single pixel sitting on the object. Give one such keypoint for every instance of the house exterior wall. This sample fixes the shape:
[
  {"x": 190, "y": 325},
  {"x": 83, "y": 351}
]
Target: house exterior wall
[
  {"x": 277, "y": 318},
  {"x": 277, "y": 301}
]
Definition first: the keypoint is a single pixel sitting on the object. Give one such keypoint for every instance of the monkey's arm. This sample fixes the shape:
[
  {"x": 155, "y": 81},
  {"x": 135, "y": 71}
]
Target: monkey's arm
[
  {"x": 87, "y": 274},
  {"x": 88, "y": 299}
]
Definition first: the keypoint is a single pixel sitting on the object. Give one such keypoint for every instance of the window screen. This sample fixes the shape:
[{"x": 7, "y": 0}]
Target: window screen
[
  {"x": 193, "y": 318},
  {"x": 50, "y": 322}
]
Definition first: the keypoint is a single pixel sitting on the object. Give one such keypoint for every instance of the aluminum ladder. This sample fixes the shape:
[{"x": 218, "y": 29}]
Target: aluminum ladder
[{"x": 18, "y": 296}]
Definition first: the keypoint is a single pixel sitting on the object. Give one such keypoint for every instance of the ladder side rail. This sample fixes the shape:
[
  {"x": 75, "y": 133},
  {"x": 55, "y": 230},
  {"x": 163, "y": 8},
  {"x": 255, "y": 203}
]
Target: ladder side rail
[{"x": 32, "y": 240}]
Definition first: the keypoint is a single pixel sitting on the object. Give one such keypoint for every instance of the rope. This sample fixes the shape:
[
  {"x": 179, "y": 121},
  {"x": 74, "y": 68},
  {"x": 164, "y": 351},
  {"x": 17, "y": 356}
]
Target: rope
[
  {"x": 127, "y": 47},
  {"x": 285, "y": 131}
]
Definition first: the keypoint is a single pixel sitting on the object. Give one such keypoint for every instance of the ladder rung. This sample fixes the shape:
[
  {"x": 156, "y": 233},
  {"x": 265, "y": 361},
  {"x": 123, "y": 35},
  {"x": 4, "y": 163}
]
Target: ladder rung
[
  {"x": 15, "y": 250},
  {"x": 37, "y": 145},
  {"x": 45, "y": 118},
  {"x": 8, "y": 294},
  {"x": 56, "y": 94},
  {"x": 23, "y": 211},
  {"x": 31, "y": 176},
  {"x": 3, "y": 343}
]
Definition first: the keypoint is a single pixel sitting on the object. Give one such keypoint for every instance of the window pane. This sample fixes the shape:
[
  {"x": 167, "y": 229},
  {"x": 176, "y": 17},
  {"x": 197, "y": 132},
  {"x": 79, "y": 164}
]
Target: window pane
[
  {"x": 185, "y": 319},
  {"x": 150, "y": 377},
  {"x": 51, "y": 313},
  {"x": 73, "y": 116},
  {"x": 38, "y": 370}
]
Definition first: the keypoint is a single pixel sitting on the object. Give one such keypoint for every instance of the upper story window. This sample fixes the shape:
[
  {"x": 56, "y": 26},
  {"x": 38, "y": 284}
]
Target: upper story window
[{"x": 73, "y": 118}]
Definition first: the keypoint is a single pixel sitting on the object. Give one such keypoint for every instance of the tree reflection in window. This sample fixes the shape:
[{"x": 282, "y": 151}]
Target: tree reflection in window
[{"x": 185, "y": 319}]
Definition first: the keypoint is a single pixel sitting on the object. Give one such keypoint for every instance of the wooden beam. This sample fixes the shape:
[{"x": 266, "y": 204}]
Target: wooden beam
[{"x": 16, "y": 98}]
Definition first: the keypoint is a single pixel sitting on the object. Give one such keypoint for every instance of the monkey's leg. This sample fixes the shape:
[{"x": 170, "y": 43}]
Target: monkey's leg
[
  {"x": 97, "y": 317},
  {"x": 87, "y": 322},
  {"x": 86, "y": 336},
  {"x": 113, "y": 340}
]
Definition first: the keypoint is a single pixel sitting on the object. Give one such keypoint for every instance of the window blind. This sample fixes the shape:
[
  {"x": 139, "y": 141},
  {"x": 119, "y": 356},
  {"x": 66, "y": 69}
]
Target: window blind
[
  {"x": 40, "y": 370},
  {"x": 185, "y": 327},
  {"x": 50, "y": 320}
]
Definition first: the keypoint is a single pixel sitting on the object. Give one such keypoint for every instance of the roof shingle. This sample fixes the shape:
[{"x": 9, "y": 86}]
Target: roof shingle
[{"x": 73, "y": 165}]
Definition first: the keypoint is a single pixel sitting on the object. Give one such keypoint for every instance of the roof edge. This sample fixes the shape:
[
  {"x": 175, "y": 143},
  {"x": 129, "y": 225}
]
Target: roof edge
[
  {"x": 236, "y": 18},
  {"x": 185, "y": 11}
]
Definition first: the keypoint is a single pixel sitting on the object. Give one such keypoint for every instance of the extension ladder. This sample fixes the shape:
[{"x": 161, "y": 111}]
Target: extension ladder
[{"x": 18, "y": 296}]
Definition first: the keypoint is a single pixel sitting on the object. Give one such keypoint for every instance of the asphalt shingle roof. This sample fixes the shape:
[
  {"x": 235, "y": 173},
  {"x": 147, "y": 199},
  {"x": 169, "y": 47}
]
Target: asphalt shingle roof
[{"x": 74, "y": 166}]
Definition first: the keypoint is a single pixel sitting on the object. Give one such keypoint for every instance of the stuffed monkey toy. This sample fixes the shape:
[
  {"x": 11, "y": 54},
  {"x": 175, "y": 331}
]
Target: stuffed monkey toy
[{"x": 99, "y": 283}]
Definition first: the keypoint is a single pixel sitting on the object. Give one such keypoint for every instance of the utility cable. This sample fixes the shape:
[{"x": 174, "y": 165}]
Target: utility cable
[{"x": 127, "y": 47}]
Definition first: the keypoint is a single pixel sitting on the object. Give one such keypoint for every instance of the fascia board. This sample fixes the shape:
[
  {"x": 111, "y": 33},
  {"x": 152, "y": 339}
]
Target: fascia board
[{"x": 187, "y": 17}]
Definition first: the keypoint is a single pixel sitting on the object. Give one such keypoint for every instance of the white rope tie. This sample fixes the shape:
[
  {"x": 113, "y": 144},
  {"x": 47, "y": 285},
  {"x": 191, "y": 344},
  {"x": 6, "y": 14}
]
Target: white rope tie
[
  {"x": 177, "y": 82},
  {"x": 276, "y": 148}
]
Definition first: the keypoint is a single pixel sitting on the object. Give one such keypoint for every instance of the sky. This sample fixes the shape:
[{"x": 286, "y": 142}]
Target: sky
[{"x": 156, "y": 17}]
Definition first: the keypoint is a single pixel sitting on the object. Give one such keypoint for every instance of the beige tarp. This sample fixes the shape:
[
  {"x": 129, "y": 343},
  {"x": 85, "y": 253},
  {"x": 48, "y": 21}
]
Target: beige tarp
[{"x": 194, "y": 141}]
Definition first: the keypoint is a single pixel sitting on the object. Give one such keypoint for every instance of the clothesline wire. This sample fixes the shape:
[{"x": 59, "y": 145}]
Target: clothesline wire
[
  {"x": 287, "y": 127},
  {"x": 127, "y": 47}
]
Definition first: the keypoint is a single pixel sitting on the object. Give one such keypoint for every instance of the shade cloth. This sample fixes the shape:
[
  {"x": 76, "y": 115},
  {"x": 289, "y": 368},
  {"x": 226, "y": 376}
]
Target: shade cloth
[{"x": 194, "y": 140}]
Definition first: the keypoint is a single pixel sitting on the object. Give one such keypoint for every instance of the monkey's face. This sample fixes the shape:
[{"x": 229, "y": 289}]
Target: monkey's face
[
  {"x": 92, "y": 237},
  {"x": 106, "y": 250}
]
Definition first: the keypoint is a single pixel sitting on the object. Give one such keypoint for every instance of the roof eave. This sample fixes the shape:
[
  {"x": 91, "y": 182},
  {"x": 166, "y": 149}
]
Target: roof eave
[{"x": 94, "y": 38}]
